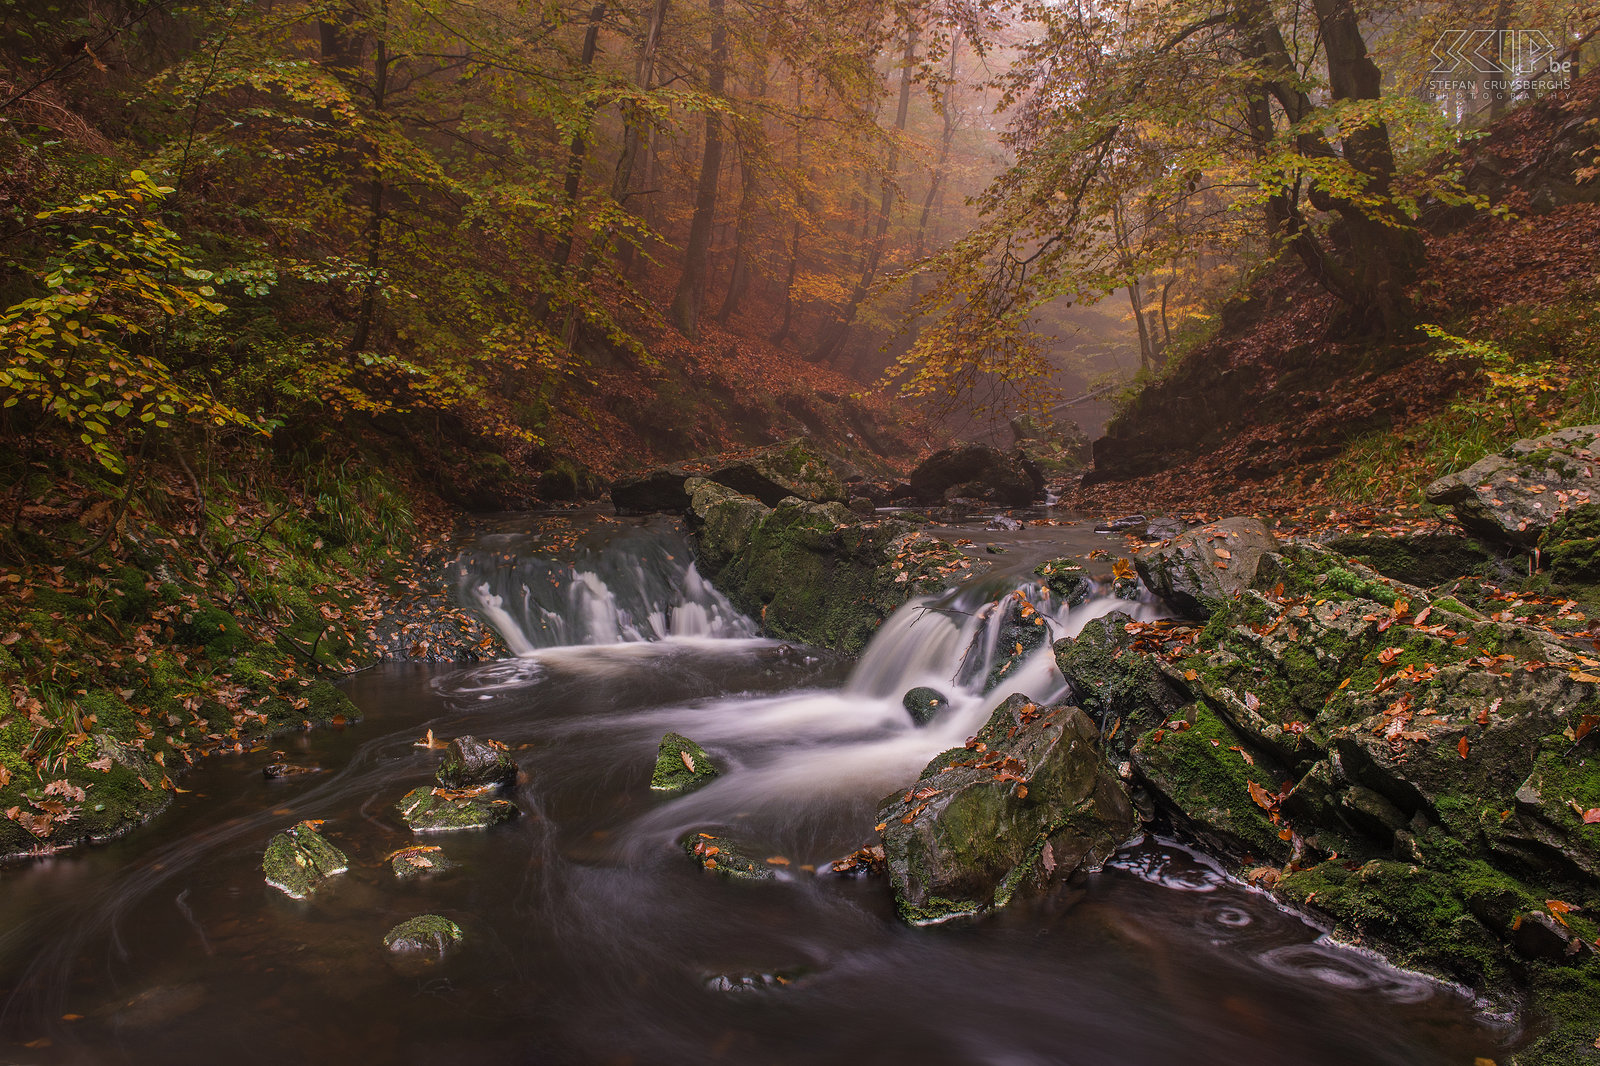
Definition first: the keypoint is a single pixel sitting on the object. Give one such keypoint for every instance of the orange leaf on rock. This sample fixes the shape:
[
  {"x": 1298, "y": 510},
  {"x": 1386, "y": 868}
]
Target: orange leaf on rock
[
  {"x": 1263, "y": 798},
  {"x": 1461, "y": 746}
]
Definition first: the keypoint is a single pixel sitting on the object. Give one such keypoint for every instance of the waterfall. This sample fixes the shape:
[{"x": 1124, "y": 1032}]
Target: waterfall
[{"x": 617, "y": 587}]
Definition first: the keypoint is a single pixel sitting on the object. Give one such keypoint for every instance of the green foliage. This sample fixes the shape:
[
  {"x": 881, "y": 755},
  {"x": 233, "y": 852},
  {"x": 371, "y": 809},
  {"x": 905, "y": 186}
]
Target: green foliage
[{"x": 85, "y": 351}]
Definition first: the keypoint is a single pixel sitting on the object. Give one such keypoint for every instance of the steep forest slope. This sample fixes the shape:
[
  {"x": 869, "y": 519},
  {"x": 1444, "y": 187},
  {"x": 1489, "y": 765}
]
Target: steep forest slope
[{"x": 1281, "y": 409}]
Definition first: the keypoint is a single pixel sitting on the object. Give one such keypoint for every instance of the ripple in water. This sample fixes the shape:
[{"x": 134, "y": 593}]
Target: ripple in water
[
  {"x": 1170, "y": 867},
  {"x": 1350, "y": 969}
]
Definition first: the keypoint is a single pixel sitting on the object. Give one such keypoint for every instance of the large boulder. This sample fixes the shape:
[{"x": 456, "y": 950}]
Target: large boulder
[
  {"x": 977, "y": 472},
  {"x": 1126, "y": 693},
  {"x": 1199, "y": 570},
  {"x": 792, "y": 468},
  {"x": 1515, "y": 494},
  {"x": 1571, "y": 546},
  {"x": 814, "y": 572},
  {"x": 299, "y": 859},
  {"x": 1027, "y": 801}
]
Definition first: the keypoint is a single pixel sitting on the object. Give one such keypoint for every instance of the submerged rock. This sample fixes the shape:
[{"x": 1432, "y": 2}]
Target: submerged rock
[
  {"x": 728, "y": 858},
  {"x": 923, "y": 704},
  {"x": 437, "y": 810},
  {"x": 299, "y": 859},
  {"x": 419, "y": 859},
  {"x": 975, "y": 472},
  {"x": 473, "y": 763},
  {"x": 1198, "y": 571},
  {"x": 681, "y": 765},
  {"x": 754, "y": 981},
  {"x": 429, "y": 933},
  {"x": 1027, "y": 801},
  {"x": 1515, "y": 494}
]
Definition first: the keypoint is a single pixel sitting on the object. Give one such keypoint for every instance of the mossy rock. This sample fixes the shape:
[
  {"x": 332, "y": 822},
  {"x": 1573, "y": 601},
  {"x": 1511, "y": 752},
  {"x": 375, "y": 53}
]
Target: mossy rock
[
  {"x": 425, "y": 933},
  {"x": 1571, "y": 546},
  {"x": 681, "y": 765},
  {"x": 1426, "y": 560},
  {"x": 923, "y": 704},
  {"x": 432, "y": 810},
  {"x": 299, "y": 859},
  {"x": 1028, "y": 801},
  {"x": 726, "y": 858},
  {"x": 419, "y": 860},
  {"x": 1124, "y": 692},
  {"x": 1066, "y": 579},
  {"x": 473, "y": 763}
]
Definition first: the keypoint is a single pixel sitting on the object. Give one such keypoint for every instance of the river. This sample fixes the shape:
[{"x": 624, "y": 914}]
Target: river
[{"x": 590, "y": 936}]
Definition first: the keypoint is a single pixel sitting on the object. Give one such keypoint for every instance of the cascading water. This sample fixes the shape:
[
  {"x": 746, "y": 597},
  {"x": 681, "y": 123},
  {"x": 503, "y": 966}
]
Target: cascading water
[
  {"x": 591, "y": 938},
  {"x": 629, "y": 585}
]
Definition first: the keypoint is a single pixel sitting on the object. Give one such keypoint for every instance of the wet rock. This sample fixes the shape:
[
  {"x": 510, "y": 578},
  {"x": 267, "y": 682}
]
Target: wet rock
[
  {"x": 923, "y": 704},
  {"x": 299, "y": 859},
  {"x": 1004, "y": 523},
  {"x": 426, "y": 933},
  {"x": 473, "y": 763},
  {"x": 728, "y": 858},
  {"x": 756, "y": 981},
  {"x": 1164, "y": 528},
  {"x": 814, "y": 572},
  {"x": 418, "y": 860},
  {"x": 1029, "y": 800},
  {"x": 1067, "y": 580},
  {"x": 1133, "y": 523},
  {"x": 279, "y": 768},
  {"x": 862, "y": 506},
  {"x": 1126, "y": 693},
  {"x": 1203, "y": 568},
  {"x": 1539, "y": 936},
  {"x": 863, "y": 862},
  {"x": 681, "y": 765},
  {"x": 1515, "y": 494},
  {"x": 976, "y": 472},
  {"x": 437, "y": 810},
  {"x": 1022, "y": 631}
]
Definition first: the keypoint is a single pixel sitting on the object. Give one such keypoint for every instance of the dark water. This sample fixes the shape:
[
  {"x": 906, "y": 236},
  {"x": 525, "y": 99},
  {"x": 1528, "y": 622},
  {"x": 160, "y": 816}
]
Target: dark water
[{"x": 591, "y": 939}]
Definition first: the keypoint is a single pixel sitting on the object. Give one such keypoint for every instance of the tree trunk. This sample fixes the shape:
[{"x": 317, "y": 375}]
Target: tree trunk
[
  {"x": 744, "y": 229},
  {"x": 578, "y": 149},
  {"x": 633, "y": 130},
  {"x": 833, "y": 338},
  {"x": 800, "y": 206},
  {"x": 362, "y": 339},
  {"x": 686, "y": 303},
  {"x": 946, "y": 136}
]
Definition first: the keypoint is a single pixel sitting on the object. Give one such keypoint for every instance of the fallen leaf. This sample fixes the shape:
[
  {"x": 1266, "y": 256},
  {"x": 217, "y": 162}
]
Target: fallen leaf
[
  {"x": 1461, "y": 746},
  {"x": 688, "y": 761}
]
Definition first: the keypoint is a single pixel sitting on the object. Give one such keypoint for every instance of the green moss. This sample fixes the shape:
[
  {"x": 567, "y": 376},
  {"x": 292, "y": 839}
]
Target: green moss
[
  {"x": 935, "y": 910},
  {"x": 1200, "y": 774},
  {"x": 681, "y": 765},
  {"x": 426, "y": 932},
  {"x": 425, "y": 810}
]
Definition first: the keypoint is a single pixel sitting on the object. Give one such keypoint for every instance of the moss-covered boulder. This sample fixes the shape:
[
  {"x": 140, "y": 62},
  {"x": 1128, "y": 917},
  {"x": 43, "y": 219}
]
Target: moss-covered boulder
[
  {"x": 814, "y": 572},
  {"x": 299, "y": 859},
  {"x": 924, "y": 704},
  {"x": 1515, "y": 494},
  {"x": 681, "y": 765},
  {"x": 438, "y": 810},
  {"x": 473, "y": 763},
  {"x": 1422, "y": 559},
  {"x": 792, "y": 468},
  {"x": 728, "y": 858},
  {"x": 430, "y": 933},
  {"x": 1028, "y": 800},
  {"x": 1571, "y": 546},
  {"x": 976, "y": 472},
  {"x": 1126, "y": 693},
  {"x": 1201, "y": 569}
]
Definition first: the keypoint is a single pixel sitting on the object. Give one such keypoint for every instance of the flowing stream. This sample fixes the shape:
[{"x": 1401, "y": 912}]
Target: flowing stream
[{"x": 591, "y": 938}]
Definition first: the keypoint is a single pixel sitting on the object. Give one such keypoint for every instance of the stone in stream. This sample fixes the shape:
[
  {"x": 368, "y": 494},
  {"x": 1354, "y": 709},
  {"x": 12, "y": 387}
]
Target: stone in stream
[
  {"x": 299, "y": 859},
  {"x": 681, "y": 765},
  {"x": 792, "y": 468},
  {"x": 977, "y": 472},
  {"x": 1066, "y": 579},
  {"x": 419, "y": 859},
  {"x": 1201, "y": 569},
  {"x": 473, "y": 763},
  {"x": 1027, "y": 801},
  {"x": 923, "y": 704},
  {"x": 1515, "y": 494},
  {"x": 1125, "y": 693},
  {"x": 754, "y": 981},
  {"x": 437, "y": 810},
  {"x": 727, "y": 858},
  {"x": 429, "y": 933},
  {"x": 1022, "y": 631}
]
